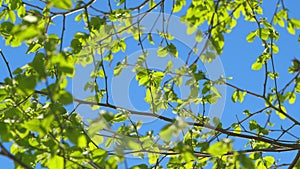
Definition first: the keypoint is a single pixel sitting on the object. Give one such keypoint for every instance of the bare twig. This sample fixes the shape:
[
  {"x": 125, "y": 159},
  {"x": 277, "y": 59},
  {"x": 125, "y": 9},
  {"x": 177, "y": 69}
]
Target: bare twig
[
  {"x": 7, "y": 64},
  {"x": 62, "y": 33}
]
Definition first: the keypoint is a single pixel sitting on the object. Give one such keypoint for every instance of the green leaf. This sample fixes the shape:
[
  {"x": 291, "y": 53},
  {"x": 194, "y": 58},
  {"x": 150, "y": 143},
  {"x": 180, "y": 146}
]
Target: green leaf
[
  {"x": 95, "y": 126},
  {"x": 5, "y": 134},
  {"x": 296, "y": 22},
  {"x": 120, "y": 117},
  {"x": 178, "y": 5},
  {"x": 263, "y": 33},
  {"x": 162, "y": 52},
  {"x": 3, "y": 94},
  {"x": 251, "y": 36},
  {"x": 234, "y": 96},
  {"x": 237, "y": 12},
  {"x": 119, "y": 67},
  {"x": 151, "y": 4},
  {"x": 237, "y": 130},
  {"x": 38, "y": 65},
  {"x": 297, "y": 88},
  {"x": 63, "y": 96},
  {"x": 290, "y": 28},
  {"x": 153, "y": 158},
  {"x": 281, "y": 115},
  {"x": 269, "y": 161},
  {"x": 150, "y": 39},
  {"x": 78, "y": 17},
  {"x": 26, "y": 85},
  {"x": 245, "y": 161},
  {"x": 291, "y": 96},
  {"x": 215, "y": 90},
  {"x": 112, "y": 162},
  {"x": 218, "y": 149},
  {"x": 166, "y": 132},
  {"x": 199, "y": 36},
  {"x": 257, "y": 65},
  {"x": 218, "y": 43},
  {"x": 99, "y": 155},
  {"x": 253, "y": 125},
  {"x": 14, "y": 4},
  {"x": 23, "y": 33},
  {"x": 172, "y": 50},
  {"x": 122, "y": 45},
  {"x": 191, "y": 29},
  {"x": 12, "y": 16},
  {"x": 238, "y": 96},
  {"x": 33, "y": 47},
  {"x": 63, "y": 4},
  {"x": 56, "y": 162},
  {"x": 169, "y": 67},
  {"x": 82, "y": 141},
  {"x": 275, "y": 48},
  {"x": 76, "y": 46},
  {"x": 120, "y": 2},
  {"x": 98, "y": 139}
]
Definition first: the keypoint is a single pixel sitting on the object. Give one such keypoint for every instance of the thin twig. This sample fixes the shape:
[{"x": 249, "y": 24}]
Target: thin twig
[
  {"x": 7, "y": 64},
  {"x": 62, "y": 33}
]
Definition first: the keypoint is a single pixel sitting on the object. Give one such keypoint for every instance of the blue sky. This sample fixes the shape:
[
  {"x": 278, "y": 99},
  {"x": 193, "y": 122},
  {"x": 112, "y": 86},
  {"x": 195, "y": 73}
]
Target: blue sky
[{"x": 236, "y": 59}]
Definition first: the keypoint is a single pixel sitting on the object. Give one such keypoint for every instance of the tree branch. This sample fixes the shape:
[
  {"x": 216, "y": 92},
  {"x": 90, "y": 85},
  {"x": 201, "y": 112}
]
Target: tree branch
[
  {"x": 7, "y": 64},
  {"x": 221, "y": 130},
  {"x": 6, "y": 153},
  {"x": 292, "y": 165}
]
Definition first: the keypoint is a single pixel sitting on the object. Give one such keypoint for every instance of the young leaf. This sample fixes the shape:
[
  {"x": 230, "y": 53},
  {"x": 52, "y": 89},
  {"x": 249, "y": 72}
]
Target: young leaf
[
  {"x": 150, "y": 39},
  {"x": 251, "y": 36},
  {"x": 63, "y": 4},
  {"x": 178, "y": 5},
  {"x": 162, "y": 52},
  {"x": 280, "y": 114},
  {"x": 218, "y": 149},
  {"x": 291, "y": 28},
  {"x": 166, "y": 132},
  {"x": 199, "y": 36},
  {"x": 256, "y": 65},
  {"x": 56, "y": 162}
]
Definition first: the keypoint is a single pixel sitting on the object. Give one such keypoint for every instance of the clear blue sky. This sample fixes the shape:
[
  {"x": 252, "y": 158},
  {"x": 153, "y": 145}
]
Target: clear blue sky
[{"x": 236, "y": 59}]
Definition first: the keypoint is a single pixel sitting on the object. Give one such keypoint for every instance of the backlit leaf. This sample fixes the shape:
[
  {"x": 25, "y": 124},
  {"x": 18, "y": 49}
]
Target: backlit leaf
[{"x": 62, "y": 4}]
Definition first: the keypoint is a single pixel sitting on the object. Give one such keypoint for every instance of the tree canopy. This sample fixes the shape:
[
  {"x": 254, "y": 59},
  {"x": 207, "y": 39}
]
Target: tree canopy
[{"x": 141, "y": 84}]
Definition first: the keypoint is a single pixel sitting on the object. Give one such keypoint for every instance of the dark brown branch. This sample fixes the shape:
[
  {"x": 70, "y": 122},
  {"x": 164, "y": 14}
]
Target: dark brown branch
[
  {"x": 62, "y": 33},
  {"x": 6, "y": 153},
  {"x": 266, "y": 80},
  {"x": 106, "y": 83},
  {"x": 87, "y": 19},
  {"x": 273, "y": 70},
  {"x": 224, "y": 131},
  {"x": 292, "y": 165},
  {"x": 6, "y": 63},
  {"x": 243, "y": 90},
  {"x": 172, "y": 152}
]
